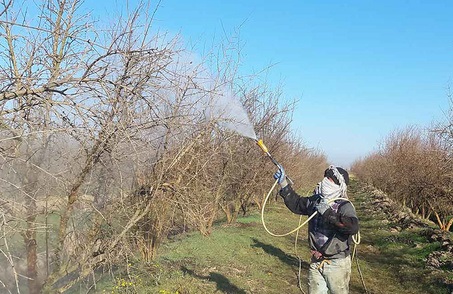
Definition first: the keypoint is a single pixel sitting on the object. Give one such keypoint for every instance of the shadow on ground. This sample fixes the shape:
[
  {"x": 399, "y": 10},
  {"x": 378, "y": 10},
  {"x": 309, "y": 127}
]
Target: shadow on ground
[
  {"x": 280, "y": 254},
  {"x": 223, "y": 284}
]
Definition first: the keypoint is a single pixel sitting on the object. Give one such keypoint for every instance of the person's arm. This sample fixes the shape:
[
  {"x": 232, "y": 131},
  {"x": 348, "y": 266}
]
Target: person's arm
[
  {"x": 294, "y": 202},
  {"x": 345, "y": 219}
]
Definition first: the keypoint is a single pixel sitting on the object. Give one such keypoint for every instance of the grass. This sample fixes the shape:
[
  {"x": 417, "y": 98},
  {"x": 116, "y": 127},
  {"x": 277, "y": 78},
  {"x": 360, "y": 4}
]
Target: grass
[{"x": 243, "y": 258}]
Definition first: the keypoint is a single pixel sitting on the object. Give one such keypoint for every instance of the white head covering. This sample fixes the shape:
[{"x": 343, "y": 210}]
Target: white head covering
[{"x": 329, "y": 189}]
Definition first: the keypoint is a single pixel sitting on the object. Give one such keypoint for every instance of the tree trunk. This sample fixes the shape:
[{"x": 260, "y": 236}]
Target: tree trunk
[
  {"x": 34, "y": 286},
  {"x": 449, "y": 224},
  {"x": 440, "y": 223}
]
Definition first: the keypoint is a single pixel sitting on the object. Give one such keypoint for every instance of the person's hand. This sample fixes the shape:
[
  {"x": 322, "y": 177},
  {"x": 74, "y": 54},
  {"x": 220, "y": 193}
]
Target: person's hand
[
  {"x": 321, "y": 206},
  {"x": 280, "y": 176}
]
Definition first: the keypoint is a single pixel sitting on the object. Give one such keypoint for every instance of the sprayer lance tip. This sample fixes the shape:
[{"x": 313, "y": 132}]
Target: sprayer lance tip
[{"x": 262, "y": 146}]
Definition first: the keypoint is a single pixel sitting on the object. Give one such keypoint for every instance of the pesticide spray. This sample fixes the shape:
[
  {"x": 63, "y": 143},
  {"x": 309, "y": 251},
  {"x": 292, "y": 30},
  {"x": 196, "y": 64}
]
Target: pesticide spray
[{"x": 231, "y": 115}]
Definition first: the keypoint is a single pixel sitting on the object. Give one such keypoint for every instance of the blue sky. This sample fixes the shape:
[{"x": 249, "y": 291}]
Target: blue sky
[{"x": 360, "y": 69}]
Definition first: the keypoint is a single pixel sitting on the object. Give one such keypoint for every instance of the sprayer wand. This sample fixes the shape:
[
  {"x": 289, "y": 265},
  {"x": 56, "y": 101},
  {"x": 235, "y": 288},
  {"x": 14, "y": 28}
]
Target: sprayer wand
[{"x": 266, "y": 151}]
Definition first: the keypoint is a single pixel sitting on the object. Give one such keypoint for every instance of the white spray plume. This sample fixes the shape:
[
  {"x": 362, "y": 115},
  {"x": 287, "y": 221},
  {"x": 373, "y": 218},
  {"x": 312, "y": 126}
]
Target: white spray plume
[{"x": 214, "y": 97}]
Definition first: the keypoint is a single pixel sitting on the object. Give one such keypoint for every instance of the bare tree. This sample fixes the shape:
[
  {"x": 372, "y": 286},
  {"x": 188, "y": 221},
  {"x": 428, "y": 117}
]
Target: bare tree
[{"x": 58, "y": 75}]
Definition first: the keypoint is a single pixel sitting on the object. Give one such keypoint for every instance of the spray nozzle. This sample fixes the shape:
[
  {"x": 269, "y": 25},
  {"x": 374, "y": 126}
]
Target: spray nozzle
[
  {"x": 262, "y": 146},
  {"x": 265, "y": 150}
]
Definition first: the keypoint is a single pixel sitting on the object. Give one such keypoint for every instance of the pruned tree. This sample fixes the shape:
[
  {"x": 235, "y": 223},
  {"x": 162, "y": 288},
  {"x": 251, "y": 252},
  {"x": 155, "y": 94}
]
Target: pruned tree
[{"x": 103, "y": 92}]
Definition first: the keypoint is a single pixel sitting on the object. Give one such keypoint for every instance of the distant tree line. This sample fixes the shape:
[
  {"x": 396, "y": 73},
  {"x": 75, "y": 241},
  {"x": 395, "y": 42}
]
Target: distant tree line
[{"x": 414, "y": 167}]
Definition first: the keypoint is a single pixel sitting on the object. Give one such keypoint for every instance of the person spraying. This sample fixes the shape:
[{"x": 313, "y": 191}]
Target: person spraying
[{"x": 330, "y": 231}]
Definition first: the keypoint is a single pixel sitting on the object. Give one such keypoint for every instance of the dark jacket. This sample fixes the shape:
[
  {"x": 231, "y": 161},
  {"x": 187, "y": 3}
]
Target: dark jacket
[{"x": 329, "y": 234}]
